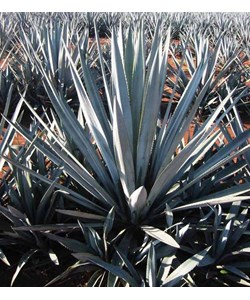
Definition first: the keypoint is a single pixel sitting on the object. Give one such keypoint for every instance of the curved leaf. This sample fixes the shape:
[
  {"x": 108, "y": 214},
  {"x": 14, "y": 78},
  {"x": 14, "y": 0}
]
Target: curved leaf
[
  {"x": 4, "y": 258},
  {"x": 178, "y": 274},
  {"x": 70, "y": 244},
  {"x": 161, "y": 236},
  {"x": 109, "y": 267},
  {"x": 137, "y": 200},
  {"x": 24, "y": 259}
]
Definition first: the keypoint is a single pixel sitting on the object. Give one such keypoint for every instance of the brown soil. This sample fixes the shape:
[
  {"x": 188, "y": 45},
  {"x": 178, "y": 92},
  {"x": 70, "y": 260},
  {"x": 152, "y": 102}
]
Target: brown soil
[
  {"x": 103, "y": 41},
  {"x": 4, "y": 63},
  {"x": 18, "y": 140}
]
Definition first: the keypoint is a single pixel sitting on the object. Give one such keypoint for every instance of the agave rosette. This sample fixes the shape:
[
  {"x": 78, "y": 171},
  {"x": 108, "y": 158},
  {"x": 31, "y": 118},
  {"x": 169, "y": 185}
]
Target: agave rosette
[{"x": 131, "y": 170}]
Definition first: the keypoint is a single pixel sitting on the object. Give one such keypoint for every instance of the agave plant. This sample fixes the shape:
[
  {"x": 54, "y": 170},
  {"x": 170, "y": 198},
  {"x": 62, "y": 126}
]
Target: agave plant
[
  {"x": 127, "y": 159},
  {"x": 127, "y": 184},
  {"x": 227, "y": 232},
  {"x": 27, "y": 201},
  {"x": 48, "y": 41},
  {"x": 224, "y": 68}
]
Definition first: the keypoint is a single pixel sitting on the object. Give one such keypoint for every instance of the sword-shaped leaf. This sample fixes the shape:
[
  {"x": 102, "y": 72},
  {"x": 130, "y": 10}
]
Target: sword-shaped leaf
[{"x": 177, "y": 275}]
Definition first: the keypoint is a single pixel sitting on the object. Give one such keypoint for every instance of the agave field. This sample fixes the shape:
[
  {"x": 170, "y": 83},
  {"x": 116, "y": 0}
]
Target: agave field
[{"x": 124, "y": 151}]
